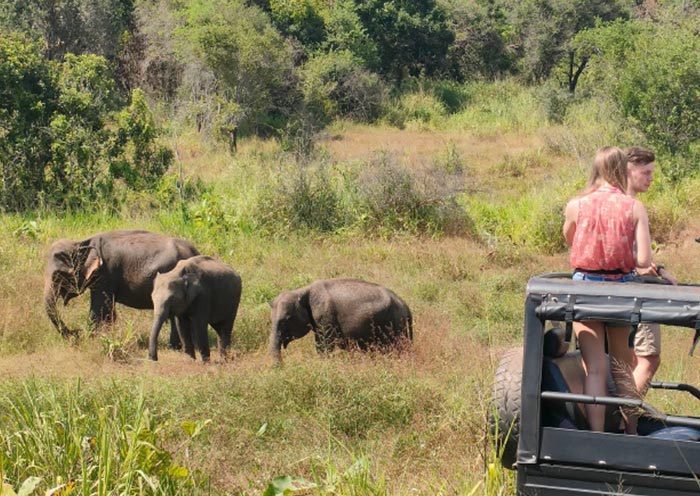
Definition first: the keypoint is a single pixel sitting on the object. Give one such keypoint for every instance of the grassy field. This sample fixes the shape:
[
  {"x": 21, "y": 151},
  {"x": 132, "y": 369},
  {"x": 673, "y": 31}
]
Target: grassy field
[{"x": 95, "y": 417}]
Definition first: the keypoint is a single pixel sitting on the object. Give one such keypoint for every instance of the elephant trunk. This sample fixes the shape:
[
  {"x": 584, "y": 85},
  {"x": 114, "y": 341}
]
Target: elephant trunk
[
  {"x": 276, "y": 345},
  {"x": 160, "y": 314},
  {"x": 50, "y": 299}
]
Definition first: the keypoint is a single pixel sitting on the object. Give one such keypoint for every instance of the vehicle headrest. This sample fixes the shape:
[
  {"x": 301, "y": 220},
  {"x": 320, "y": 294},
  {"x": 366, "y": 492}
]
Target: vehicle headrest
[{"x": 555, "y": 344}]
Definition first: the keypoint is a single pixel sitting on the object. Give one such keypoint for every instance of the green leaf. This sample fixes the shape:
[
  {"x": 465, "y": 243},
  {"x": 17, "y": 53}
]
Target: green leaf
[
  {"x": 287, "y": 485},
  {"x": 193, "y": 429},
  {"x": 28, "y": 486},
  {"x": 178, "y": 472},
  {"x": 188, "y": 427}
]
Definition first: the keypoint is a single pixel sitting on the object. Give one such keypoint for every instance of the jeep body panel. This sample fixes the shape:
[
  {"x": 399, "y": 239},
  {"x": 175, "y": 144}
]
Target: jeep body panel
[{"x": 553, "y": 460}]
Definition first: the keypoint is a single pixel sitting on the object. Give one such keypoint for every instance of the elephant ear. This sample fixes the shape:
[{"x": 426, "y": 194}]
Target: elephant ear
[
  {"x": 62, "y": 257},
  {"x": 192, "y": 285},
  {"x": 93, "y": 261}
]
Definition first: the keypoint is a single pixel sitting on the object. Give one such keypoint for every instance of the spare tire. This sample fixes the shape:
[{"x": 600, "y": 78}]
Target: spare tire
[{"x": 504, "y": 418}]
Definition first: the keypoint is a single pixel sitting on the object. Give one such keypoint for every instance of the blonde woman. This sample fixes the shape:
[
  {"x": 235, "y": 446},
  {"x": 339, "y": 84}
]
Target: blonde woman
[{"x": 602, "y": 227}]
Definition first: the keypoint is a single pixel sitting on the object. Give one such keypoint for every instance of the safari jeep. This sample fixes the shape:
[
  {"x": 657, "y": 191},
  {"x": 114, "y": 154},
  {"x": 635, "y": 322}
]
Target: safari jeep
[{"x": 538, "y": 415}]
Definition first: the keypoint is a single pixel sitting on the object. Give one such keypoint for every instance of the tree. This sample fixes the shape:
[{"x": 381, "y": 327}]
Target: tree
[
  {"x": 247, "y": 54},
  {"x": 28, "y": 98},
  {"x": 545, "y": 29},
  {"x": 411, "y": 36},
  {"x": 102, "y": 27},
  {"x": 302, "y": 19},
  {"x": 647, "y": 67},
  {"x": 59, "y": 142},
  {"x": 481, "y": 48}
]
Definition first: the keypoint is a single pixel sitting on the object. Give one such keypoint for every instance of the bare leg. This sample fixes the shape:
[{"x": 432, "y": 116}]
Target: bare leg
[
  {"x": 622, "y": 362},
  {"x": 644, "y": 370},
  {"x": 591, "y": 338}
]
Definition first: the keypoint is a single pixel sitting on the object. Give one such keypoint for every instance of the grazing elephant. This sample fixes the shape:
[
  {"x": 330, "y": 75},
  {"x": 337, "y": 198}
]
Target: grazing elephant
[
  {"x": 197, "y": 292},
  {"x": 116, "y": 266},
  {"x": 340, "y": 312}
]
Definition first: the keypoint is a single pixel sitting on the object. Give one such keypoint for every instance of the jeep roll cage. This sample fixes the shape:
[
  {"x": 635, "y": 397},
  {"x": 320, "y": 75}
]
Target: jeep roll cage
[{"x": 555, "y": 460}]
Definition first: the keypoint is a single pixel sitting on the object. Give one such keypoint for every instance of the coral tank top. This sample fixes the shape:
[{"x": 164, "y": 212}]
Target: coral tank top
[{"x": 604, "y": 237}]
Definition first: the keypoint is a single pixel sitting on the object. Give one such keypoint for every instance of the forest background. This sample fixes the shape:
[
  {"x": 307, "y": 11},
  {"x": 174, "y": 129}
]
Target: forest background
[{"x": 426, "y": 145}]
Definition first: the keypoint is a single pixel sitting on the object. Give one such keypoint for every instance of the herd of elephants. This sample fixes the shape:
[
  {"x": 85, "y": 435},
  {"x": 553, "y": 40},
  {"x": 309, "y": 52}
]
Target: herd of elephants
[{"x": 144, "y": 270}]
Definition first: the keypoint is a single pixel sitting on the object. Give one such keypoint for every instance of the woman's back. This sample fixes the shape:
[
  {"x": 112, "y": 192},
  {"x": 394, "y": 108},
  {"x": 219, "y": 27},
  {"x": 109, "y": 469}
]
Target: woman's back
[{"x": 605, "y": 231}]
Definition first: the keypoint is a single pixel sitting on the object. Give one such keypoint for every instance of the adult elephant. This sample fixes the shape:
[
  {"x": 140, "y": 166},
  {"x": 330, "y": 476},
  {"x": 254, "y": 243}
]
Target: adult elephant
[
  {"x": 116, "y": 266},
  {"x": 340, "y": 312},
  {"x": 199, "y": 291}
]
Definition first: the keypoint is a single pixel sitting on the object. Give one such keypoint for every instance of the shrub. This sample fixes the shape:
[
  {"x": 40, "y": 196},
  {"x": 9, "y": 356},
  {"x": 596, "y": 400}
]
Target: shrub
[
  {"x": 251, "y": 61},
  {"x": 301, "y": 197},
  {"x": 336, "y": 85},
  {"x": 59, "y": 142},
  {"x": 420, "y": 107},
  {"x": 392, "y": 198},
  {"x": 139, "y": 159}
]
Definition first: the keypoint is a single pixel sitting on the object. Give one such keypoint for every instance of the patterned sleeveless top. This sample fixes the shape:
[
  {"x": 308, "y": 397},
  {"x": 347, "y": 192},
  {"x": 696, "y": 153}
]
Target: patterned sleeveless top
[{"x": 604, "y": 237}]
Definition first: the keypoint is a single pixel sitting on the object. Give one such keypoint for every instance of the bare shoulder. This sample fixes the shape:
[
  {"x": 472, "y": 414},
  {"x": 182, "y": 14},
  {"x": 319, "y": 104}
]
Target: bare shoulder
[{"x": 571, "y": 209}]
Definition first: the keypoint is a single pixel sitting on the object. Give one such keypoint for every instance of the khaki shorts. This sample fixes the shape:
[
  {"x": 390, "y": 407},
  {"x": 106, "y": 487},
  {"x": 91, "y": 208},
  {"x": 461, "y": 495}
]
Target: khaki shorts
[{"x": 647, "y": 341}]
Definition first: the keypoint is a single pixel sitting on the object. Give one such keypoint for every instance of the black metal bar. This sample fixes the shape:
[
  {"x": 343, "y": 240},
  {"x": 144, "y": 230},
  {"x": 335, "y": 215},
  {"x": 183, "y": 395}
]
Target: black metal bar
[
  {"x": 676, "y": 386},
  {"x": 629, "y": 402},
  {"x": 529, "y": 439}
]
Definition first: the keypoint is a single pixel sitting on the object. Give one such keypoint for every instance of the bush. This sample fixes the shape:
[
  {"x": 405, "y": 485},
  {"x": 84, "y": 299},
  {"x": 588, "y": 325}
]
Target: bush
[
  {"x": 392, "y": 198},
  {"x": 301, "y": 197},
  {"x": 420, "y": 107},
  {"x": 28, "y": 98},
  {"x": 59, "y": 141},
  {"x": 336, "y": 85}
]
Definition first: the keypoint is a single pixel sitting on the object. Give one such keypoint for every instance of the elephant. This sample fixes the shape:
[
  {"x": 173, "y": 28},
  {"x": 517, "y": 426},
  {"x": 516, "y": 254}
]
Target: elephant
[
  {"x": 197, "y": 292},
  {"x": 340, "y": 312},
  {"x": 116, "y": 266}
]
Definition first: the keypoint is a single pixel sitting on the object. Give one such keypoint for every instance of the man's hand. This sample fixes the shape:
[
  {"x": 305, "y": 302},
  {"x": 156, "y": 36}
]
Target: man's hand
[{"x": 658, "y": 271}]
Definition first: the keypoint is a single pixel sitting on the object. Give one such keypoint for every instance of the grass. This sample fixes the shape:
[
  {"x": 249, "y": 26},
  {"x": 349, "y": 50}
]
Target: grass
[{"x": 95, "y": 413}]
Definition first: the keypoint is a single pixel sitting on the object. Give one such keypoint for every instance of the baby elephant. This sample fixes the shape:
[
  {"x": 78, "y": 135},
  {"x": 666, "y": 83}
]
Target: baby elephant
[
  {"x": 197, "y": 292},
  {"x": 340, "y": 312}
]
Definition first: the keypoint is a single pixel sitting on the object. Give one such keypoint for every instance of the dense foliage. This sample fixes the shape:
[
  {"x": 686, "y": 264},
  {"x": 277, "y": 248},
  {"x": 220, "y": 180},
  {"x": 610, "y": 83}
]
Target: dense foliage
[
  {"x": 68, "y": 140},
  {"x": 79, "y": 77}
]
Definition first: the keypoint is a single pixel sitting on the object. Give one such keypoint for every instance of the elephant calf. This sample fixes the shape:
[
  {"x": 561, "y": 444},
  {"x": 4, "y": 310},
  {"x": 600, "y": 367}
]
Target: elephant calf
[
  {"x": 199, "y": 291},
  {"x": 340, "y": 312}
]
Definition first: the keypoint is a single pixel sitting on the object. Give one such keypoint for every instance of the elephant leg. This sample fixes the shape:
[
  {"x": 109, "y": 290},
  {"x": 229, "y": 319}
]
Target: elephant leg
[
  {"x": 199, "y": 327},
  {"x": 223, "y": 335},
  {"x": 175, "y": 341},
  {"x": 101, "y": 307},
  {"x": 184, "y": 330},
  {"x": 325, "y": 339}
]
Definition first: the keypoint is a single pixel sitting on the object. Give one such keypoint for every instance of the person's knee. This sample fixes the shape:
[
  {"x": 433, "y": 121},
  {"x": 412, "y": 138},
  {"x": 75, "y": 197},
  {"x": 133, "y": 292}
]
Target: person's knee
[{"x": 650, "y": 362}]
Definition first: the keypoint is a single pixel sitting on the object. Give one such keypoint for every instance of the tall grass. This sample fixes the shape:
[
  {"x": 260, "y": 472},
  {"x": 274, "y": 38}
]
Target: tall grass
[{"x": 91, "y": 442}]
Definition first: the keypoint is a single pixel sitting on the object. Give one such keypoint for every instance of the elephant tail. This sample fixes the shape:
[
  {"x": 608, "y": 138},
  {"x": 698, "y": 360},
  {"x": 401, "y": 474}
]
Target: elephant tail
[{"x": 409, "y": 324}]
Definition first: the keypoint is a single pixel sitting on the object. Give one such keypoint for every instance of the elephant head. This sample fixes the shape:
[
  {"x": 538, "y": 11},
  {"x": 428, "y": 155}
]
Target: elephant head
[
  {"x": 291, "y": 319},
  {"x": 173, "y": 293},
  {"x": 72, "y": 267}
]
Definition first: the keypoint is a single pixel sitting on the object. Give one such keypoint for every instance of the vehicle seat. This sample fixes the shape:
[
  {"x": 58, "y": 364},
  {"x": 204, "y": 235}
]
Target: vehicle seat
[
  {"x": 563, "y": 372},
  {"x": 557, "y": 413}
]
